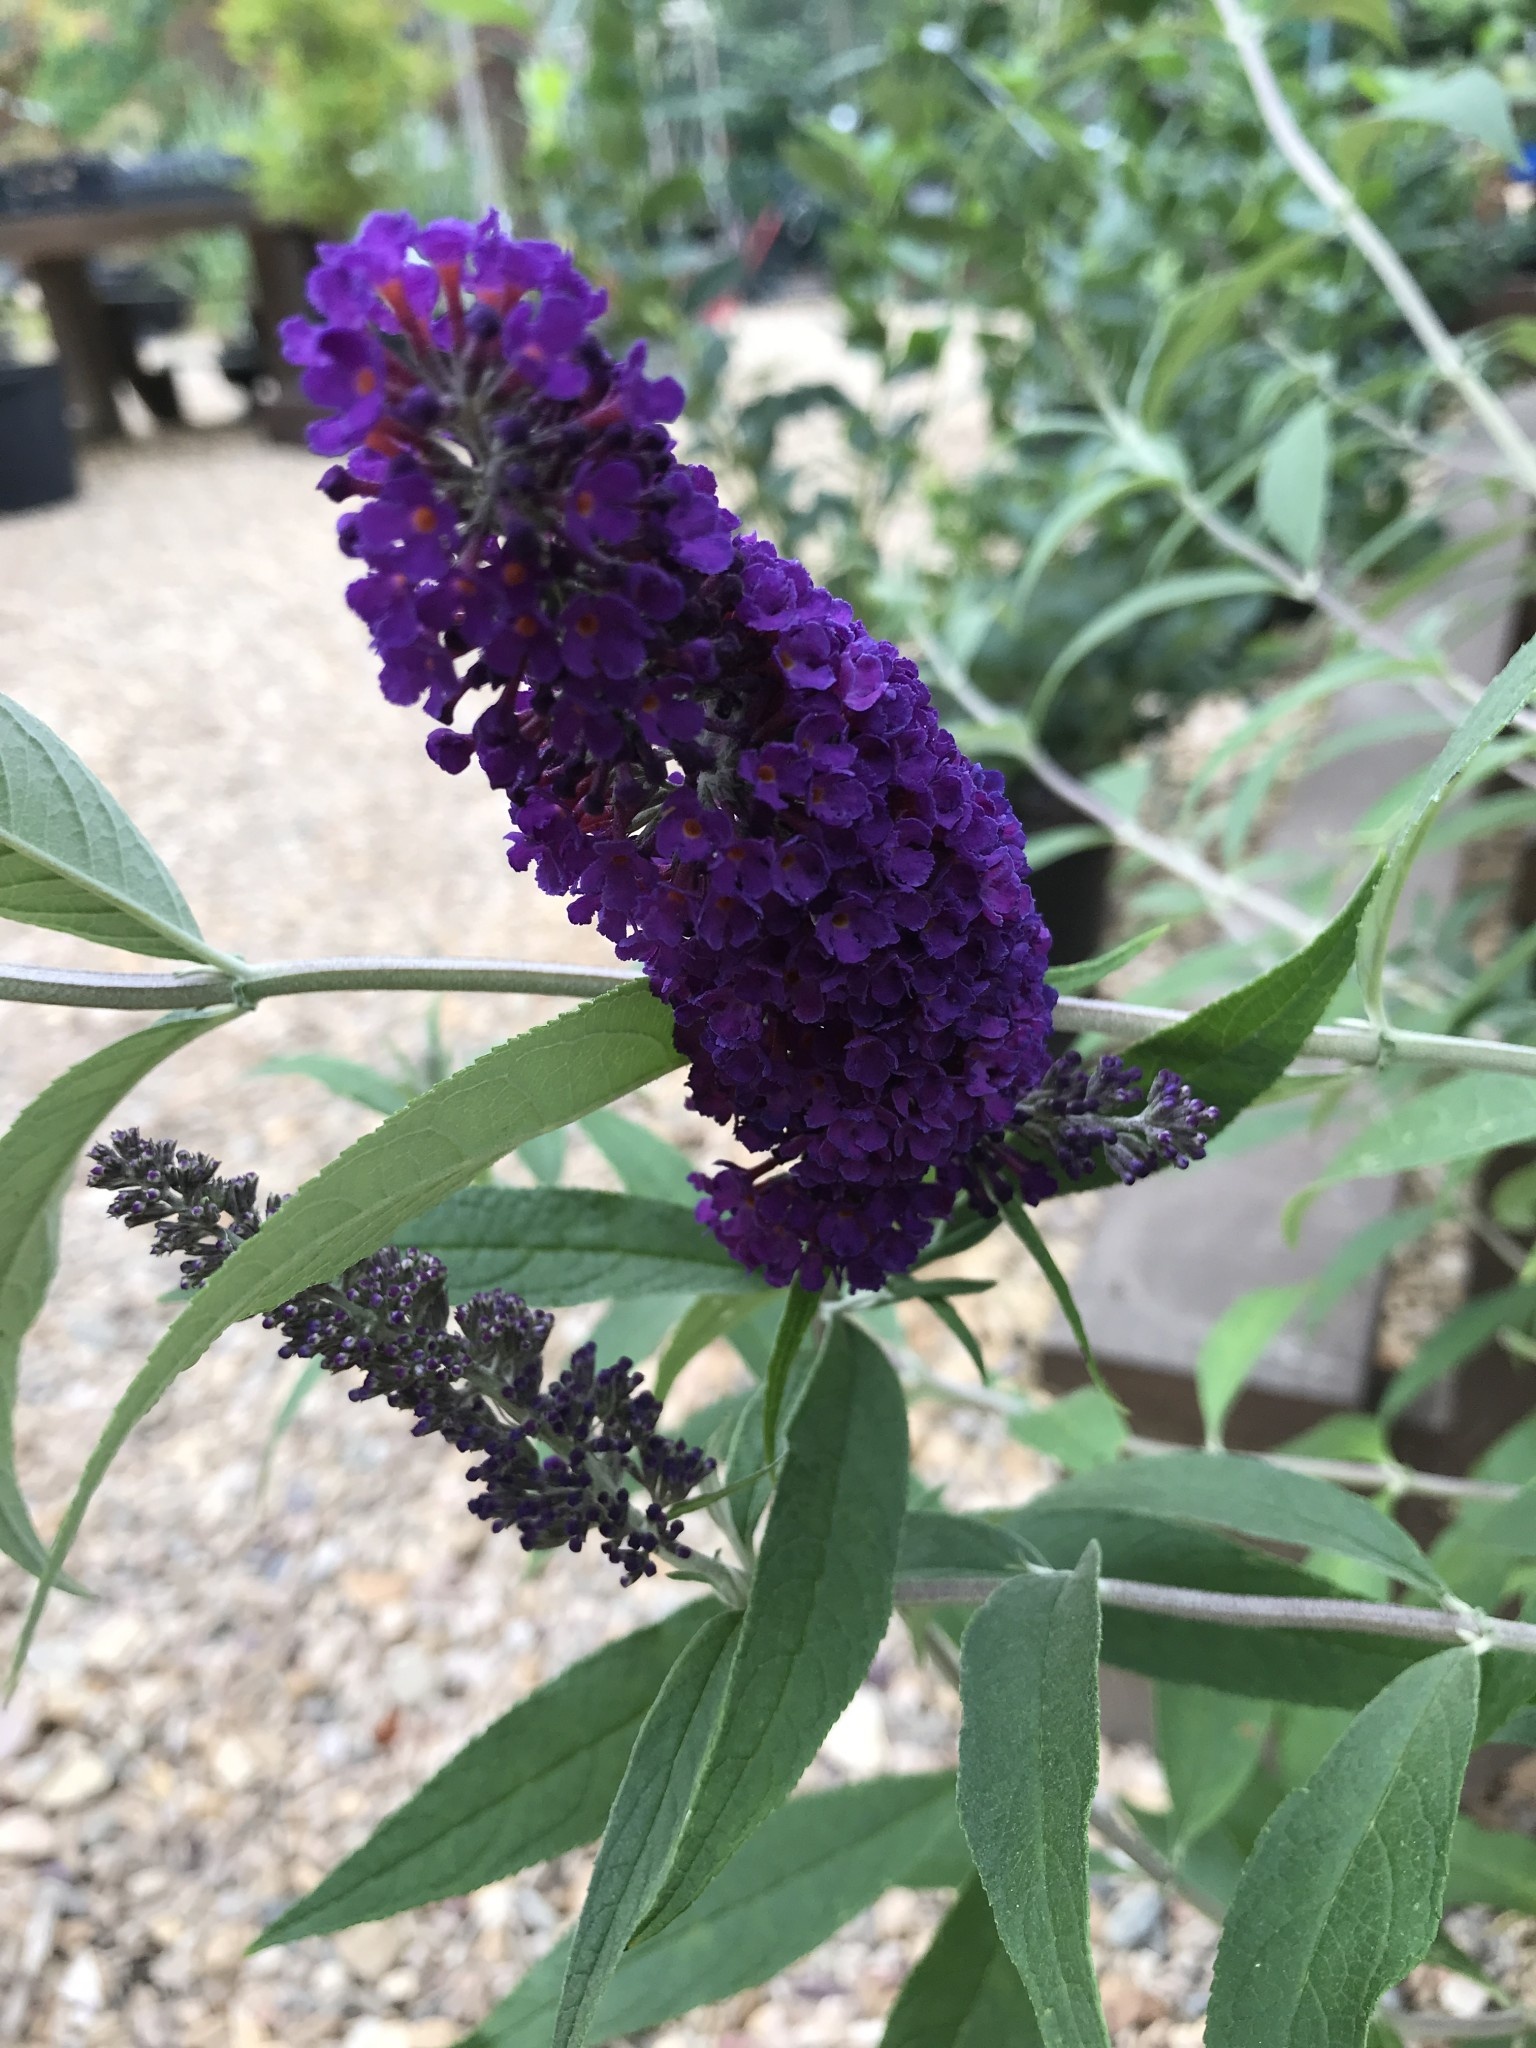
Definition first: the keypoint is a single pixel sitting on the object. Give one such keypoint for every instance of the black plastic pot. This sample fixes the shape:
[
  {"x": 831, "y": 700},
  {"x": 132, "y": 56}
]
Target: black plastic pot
[
  {"x": 37, "y": 461},
  {"x": 1072, "y": 894}
]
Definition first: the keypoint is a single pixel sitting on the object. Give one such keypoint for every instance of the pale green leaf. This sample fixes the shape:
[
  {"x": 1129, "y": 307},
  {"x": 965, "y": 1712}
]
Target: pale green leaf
[
  {"x": 1250, "y": 1497},
  {"x": 1209, "y": 1745},
  {"x": 1082, "y": 974},
  {"x": 800, "y": 1308},
  {"x": 1462, "y": 1118},
  {"x": 1469, "y": 102},
  {"x": 1148, "y": 601},
  {"x": 1342, "y": 1895},
  {"x": 1029, "y": 1765},
  {"x": 556, "y": 1246},
  {"x": 1080, "y": 1431},
  {"x": 349, "y": 1079},
  {"x": 964, "y": 1992},
  {"x": 809, "y": 1868},
  {"x": 819, "y": 1604},
  {"x": 1508, "y": 693},
  {"x": 646, "y": 1164},
  {"x": 642, "y": 1832},
  {"x": 710, "y": 1317},
  {"x": 436, "y": 1144},
  {"x": 37, "y": 1160},
  {"x": 1293, "y": 483},
  {"x": 1233, "y": 1346},
  {"x": 1210, "y": 312},
  {"x": 537, "y": 1782},
  {"x": 70, "y": 857}
]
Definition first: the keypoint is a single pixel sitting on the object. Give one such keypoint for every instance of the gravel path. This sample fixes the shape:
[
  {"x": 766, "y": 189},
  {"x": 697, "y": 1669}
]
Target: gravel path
[{"x": 262, "y": 1677}]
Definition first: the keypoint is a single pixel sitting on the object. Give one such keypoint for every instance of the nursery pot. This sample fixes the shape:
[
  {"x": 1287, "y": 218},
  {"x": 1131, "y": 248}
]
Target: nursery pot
[
  {"x": 1072, "y": 894},
  {"x": 37, "y": 462}
]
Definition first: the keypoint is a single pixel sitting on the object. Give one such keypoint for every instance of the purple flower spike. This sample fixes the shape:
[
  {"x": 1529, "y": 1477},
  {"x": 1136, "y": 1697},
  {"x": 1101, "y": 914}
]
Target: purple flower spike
[{"x": 747, "y": 792}]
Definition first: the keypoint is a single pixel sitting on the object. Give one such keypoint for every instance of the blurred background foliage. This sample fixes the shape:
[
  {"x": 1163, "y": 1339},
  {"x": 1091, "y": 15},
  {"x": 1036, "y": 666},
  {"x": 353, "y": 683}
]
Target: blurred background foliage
[{"x": 1039, "y": 186}]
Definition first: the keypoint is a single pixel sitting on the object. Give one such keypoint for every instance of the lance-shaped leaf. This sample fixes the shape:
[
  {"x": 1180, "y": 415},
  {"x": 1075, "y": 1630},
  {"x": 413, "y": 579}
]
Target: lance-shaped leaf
[
  {"x": 1342, "y": 1895},
  {"x": 648, "y": 1814},
  {"x": 1209, "y": 1744},
  {"x": 706, "y": 1318},
  {"x": 556, "y": 1246},
  {"x": 965, "y": 1992},
  {"x": 537, "y": 1782},
  {"x": 646, "y": 1164},
  {"x": 1233, "y": 1049},
  {"x": 1508, "y": 693},
  {"x": 1029, "y": 1764},
  {"x": 800, "y": 1306},
  {"x": 436, "y": 1144},
  {"x": 70, "y": 857},
  {"x": 37, "y": 1158},
  {"x": 1251, "y": 1497},
  {"x": 820, "y": 1601},
  {"x": 807, "y": 1871}
]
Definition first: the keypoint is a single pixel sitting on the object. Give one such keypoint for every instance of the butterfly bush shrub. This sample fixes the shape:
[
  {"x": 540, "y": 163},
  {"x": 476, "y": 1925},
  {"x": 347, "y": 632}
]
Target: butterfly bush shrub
[{"x": 821, "y": 909}]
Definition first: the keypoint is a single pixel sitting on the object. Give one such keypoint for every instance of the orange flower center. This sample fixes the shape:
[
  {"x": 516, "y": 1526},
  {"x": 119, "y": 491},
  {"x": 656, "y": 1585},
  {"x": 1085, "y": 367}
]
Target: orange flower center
[
  {"x": 424, "y": 519},
  {"x": 366, "y": 382}
]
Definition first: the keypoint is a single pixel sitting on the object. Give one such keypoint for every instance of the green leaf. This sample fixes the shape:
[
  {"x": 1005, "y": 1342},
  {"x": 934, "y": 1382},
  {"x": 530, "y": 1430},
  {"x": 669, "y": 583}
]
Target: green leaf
[
  {"x": 1078, "y": 508},
  {"x": 349, "y": 1079},
  {"x": 809, "y": 1868},
  {"x": 1233, "y": 1346},
  {"x": 1149, "y": 601},
  {"x": 1467, "y": 1330},
  {"x": 1491, "y": 1867},
  {"x": 1293, "y": 483},
  {"x": 1209, "y": 312},
  {"x": 800, "y": 1307},
  {"x": 1469, "y": 102},
  {"x": 437, "y": 1143},
  {"x": 1250, "y": 1497},
  {"x": 1029, "y": 1764},
  {"x": 1341, "y": 1897},
  {"x": 1468, "y": 1115},
  {"x": 1312, "y": 1667},
  {"x": 23, "y": 1290},
  {"x": 820, "y": 1601},
  {"x": 1070, "y": 981},
  {"x": 1023, "y": 1226},
  {"x": 1508, "y": 693},
  {"x": 1080, "y": 1430},
  {"x": 634, "y": 1329},
  {"x": 1374, "y": 16},
  {"x": 37, "y": 1161},
  {"x": 1209, "y": 1744},
  {"x": 646, "y": 1164},
  {"x": 544, "y": 1157},
  {"x": 562, "y": 1245},
  {"x": 70, "y": 857},
  {"x": 1235, "y": 1048},
  {"x": 965, "y": 1992},
  {"x": 710, "y": 1317},
  {"x": 537, "y": 1782},
  {"x": 647, "y": 1819}
]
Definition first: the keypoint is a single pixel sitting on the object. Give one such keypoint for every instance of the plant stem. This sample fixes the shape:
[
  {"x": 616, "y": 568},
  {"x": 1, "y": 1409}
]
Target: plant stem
[
  {"x": 1355, "y": 1044},
  {"x": 1363, "y": 1474},
  {"x": 1449, "y": 359},
  {"x": 1254, "y": 1610}
]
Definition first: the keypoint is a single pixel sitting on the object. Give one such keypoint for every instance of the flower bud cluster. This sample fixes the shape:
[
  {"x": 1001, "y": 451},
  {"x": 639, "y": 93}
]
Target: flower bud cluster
[
  {"x": 1080, "y": 1116},
  {"x": 556, "y": 1461},
  {"x": 749, "y": 793}
]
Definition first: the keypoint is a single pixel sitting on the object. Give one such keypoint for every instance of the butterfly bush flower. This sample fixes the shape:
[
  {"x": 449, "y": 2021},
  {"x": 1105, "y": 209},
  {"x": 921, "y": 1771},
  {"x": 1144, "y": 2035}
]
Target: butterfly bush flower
[
  {"x": 744, "y": 790},
  {"x": 556, "y": 1461}
]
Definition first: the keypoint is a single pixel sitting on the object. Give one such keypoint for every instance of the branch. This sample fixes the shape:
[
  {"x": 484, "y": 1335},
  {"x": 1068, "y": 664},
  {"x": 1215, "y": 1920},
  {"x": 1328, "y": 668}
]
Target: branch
[
  {"x": 1364, "y": 1475},
  {"x": 199, "y": 988},
  {"x": 1447, "y": 356},
  {"x": 1254, "y": 1610}
]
